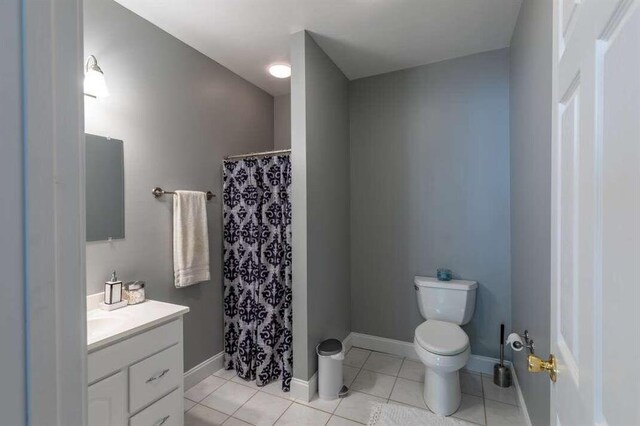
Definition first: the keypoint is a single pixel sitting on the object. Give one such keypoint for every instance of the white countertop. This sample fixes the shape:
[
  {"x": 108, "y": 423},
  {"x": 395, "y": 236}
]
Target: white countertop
[{"x": 104, "y": 327}]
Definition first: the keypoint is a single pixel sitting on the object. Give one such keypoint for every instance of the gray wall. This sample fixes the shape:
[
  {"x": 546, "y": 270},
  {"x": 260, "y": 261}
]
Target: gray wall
[
  {"x": 429, "y": 189},
  {"x": 531, "y": 56},
  {"x": 299, "y": 205},
  {"x": 320, "y": 143},
  {"x": 282, "y": 122},
  {"x": 12, "y": 326},
  {"x": 178, "y": 113}
]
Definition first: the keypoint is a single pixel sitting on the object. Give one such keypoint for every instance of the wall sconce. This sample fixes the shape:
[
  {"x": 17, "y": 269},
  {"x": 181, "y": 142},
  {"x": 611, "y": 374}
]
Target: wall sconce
[{"x": 94, "y": 83}]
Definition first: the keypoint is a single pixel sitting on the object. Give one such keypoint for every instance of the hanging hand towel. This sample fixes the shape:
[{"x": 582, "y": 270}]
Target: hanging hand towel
[{"x": 190, "y": 238}]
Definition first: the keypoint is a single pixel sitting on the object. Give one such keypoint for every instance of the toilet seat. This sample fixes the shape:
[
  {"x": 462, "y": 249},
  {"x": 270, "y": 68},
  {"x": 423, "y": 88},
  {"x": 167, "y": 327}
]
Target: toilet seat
[{"x": 441, "y": 338}]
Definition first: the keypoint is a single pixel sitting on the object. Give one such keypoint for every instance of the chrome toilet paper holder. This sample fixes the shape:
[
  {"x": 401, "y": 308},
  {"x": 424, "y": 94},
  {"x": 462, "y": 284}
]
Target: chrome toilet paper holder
[{"x": 524, "y": 341}]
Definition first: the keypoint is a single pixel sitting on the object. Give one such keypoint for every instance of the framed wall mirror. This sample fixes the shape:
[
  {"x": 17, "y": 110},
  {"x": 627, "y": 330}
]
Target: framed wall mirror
[{"x": 104, "y": 188}]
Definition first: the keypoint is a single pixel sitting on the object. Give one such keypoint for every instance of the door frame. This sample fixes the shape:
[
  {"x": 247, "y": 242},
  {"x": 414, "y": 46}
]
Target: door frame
[
  {"x": 554, "y": 188},
  {"x": 54, "y": 212}
]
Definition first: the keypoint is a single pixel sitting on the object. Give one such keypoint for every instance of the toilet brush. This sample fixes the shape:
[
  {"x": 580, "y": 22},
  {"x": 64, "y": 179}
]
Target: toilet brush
[{"x": 501, "y": 373}]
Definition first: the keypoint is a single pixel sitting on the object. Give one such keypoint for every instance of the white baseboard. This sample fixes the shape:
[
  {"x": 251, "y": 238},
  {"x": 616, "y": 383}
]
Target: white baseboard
[
  {"x": 523, "y": 404},
  {"x": 483, "y": 364},
  {"x": 203, "y": 370},
  {"x": 382, "y": 344},
  {"x": 347, "y": 343},
  {"x": 304, "y": 390},
  {"x": 476, "y": 364}
]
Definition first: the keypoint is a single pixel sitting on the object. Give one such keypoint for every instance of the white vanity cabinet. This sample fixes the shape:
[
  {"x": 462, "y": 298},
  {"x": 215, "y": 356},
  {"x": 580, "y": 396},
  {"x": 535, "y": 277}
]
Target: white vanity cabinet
[{"x": 136, "y": 377}]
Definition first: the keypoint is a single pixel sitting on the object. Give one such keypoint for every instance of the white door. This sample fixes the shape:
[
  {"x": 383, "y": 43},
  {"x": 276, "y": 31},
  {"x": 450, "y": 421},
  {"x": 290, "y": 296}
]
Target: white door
[
  {"x": 595, "y": 283},
  {"x": 107, "y": 401}
]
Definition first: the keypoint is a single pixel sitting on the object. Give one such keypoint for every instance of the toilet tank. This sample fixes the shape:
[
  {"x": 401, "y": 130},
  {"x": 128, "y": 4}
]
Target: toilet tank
[{"x": 452, "y": 301}]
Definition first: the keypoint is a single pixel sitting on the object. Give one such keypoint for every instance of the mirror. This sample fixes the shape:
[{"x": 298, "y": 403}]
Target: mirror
[{"x": 105, "y": 188}]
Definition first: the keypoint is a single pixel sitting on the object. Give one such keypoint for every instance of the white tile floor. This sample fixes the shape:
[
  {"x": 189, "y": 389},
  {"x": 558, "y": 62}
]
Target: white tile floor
[{"x": 224, "y": 398}]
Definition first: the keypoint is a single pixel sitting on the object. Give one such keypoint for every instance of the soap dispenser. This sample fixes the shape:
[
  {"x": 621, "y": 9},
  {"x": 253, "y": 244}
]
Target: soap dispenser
[
  {"x": 113, "y": 294},
  {"x": 113, "y": 290}
]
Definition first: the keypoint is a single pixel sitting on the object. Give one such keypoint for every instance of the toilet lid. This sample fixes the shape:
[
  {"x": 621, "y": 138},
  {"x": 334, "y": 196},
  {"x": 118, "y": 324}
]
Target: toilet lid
[{"x": 441, "y": 338}]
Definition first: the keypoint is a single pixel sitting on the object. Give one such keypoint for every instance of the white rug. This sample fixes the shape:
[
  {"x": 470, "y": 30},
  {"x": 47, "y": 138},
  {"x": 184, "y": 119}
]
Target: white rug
[{"x": 399, "y": 415}]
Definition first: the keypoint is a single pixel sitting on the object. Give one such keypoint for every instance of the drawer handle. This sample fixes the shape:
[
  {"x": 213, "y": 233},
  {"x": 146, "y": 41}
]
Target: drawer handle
[
  {"x": 162, "y": 421},
  {"x": 158, "y": 376}
]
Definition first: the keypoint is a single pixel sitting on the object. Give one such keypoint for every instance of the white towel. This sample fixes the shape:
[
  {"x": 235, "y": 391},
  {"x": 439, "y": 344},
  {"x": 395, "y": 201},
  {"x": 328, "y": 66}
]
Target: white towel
[{"x": 190, "y": 238}]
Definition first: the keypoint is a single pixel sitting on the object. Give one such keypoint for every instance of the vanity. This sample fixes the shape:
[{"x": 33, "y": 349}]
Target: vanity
[{"x": 135, "y": 364}]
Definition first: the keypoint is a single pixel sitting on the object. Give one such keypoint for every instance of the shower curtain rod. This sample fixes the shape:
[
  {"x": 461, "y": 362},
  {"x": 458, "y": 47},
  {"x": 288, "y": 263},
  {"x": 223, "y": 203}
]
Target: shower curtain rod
[{"x": 257, "y": 154}]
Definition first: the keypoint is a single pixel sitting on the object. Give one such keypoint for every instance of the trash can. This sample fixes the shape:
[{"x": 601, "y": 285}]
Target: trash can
[{"x": 330, "y": 381}]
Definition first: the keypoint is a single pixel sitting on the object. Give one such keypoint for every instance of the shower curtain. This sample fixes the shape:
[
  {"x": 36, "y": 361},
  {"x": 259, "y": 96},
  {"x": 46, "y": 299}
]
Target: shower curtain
[{"x": 257, "y": 269}]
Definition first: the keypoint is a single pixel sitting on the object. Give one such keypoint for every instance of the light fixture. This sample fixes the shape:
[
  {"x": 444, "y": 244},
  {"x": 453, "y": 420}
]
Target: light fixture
[
  {"x": 280, "y": 70},
  {"x": 94, "y": 84}
]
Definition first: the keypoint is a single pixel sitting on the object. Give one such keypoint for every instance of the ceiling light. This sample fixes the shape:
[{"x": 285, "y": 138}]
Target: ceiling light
[
  {"x": 280, "y": 70},
  {"x": 94, "y": 84}
]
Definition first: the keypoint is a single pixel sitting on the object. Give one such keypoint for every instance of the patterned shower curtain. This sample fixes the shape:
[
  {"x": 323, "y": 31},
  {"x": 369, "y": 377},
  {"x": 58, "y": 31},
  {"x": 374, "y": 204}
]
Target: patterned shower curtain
[{"x": 257, "y": 269}]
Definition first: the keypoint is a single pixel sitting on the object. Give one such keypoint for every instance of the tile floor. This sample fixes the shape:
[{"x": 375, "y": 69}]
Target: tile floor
[{"x": 225, "y": 399}]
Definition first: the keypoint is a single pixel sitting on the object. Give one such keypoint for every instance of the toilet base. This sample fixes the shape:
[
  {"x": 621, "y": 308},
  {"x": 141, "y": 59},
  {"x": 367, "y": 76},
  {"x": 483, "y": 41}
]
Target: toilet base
[{"x": 442, "y": 391}]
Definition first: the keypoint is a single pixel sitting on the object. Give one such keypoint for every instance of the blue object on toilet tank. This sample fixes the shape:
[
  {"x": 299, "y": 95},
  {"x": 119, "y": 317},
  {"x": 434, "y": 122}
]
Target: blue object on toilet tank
[{"x": 444, "y": 274}]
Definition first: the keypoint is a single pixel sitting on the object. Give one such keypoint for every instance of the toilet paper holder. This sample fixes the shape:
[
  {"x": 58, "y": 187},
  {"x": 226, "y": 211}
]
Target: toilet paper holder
[{"x": 524, "y": 341}]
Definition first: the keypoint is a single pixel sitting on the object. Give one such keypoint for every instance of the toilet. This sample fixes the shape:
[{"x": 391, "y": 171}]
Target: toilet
[{"x": 442, "y": 346}]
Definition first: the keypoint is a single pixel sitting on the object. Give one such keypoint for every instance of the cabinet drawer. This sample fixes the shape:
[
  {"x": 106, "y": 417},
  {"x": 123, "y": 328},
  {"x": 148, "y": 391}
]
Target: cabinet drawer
[
  {"x": 166, "y": 412},
  {"x": 155, "y": 376},
  {"x": 110, "y": 359}
]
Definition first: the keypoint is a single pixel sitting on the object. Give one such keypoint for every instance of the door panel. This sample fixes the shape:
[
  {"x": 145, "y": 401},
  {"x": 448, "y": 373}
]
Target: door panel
[
  {"x": 568, "y": 294},
  {"x": 568, "y": 12},
  {"x": 620, "y": 103},
  {"x": 107, "y": 401}
]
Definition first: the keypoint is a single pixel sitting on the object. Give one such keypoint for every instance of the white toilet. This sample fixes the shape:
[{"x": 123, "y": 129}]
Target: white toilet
[{"x": 442, "y": 346}]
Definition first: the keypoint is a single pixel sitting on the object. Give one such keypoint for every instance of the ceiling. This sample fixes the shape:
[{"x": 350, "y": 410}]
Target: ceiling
[{"x": 363, "y": 37}]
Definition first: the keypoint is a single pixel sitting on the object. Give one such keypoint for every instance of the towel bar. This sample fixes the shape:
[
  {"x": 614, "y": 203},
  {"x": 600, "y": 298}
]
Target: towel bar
[{"x": 159, "y": 192}]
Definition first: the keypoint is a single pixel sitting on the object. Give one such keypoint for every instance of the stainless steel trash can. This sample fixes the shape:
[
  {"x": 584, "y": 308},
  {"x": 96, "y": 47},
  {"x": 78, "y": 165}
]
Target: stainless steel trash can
[{"x": 330, "y": 380}]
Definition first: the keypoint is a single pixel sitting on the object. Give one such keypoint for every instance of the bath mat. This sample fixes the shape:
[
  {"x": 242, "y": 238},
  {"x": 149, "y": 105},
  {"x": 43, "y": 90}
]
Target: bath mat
[{"x": 399, "y": 415}]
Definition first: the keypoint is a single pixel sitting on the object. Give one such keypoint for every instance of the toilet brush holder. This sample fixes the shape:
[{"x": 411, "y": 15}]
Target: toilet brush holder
[
  {"x": 502, "y": 376},
  {"x": 502, "y": 373}
]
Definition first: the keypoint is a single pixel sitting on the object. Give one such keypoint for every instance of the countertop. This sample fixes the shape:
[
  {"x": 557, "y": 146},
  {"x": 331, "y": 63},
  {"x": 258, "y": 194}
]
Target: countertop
[{"x": 105, "y": 327}]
